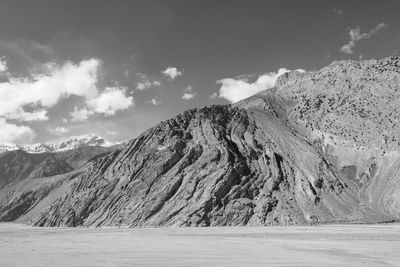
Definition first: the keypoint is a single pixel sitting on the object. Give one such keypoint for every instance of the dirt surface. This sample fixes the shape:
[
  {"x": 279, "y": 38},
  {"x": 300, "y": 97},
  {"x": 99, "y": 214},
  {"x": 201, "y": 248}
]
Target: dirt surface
[{"x": 333, "y": 245}]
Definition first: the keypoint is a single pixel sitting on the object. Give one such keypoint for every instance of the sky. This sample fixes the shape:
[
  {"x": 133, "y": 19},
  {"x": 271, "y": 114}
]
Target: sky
[{"x": 117, "y": 68}]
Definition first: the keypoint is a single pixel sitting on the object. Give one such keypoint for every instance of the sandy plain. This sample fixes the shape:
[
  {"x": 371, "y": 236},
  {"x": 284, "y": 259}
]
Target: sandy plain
[{"x": 327, "y": 245}]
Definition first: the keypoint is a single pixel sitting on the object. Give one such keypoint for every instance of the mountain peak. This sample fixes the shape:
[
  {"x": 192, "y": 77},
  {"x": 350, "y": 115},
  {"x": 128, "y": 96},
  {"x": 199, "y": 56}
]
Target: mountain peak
[{"x": 70, "y": 143}]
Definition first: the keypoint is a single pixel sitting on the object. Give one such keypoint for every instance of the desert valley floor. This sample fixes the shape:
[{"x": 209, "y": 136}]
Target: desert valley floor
[{"x": 327, "y": 245}]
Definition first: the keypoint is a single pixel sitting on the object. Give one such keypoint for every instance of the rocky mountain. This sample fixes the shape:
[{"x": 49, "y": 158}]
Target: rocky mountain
[
  {"x": 68, "y": 144},
  {"x": 320, "y": 147},
  {"x": 19, "y": 165}
]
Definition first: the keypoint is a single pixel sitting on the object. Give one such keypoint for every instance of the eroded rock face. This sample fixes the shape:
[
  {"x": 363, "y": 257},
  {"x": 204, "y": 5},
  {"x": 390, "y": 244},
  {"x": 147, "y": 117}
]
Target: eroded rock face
[{"x": 270, "y": 159}]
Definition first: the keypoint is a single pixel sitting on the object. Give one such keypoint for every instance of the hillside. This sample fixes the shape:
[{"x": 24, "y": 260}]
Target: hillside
[{"x": 320, "y": 147}]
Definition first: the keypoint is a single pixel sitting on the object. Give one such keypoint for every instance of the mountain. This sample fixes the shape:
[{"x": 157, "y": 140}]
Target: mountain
[
  {"x": 19, "y": 165},
  {"x": 320, "y": 147},
  {"x": 43, "y": 160},
  {"x": 69, "y": 144}
]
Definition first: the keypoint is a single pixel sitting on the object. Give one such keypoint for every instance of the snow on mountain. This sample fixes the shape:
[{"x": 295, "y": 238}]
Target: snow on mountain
[{"x": 72, "y": 142}]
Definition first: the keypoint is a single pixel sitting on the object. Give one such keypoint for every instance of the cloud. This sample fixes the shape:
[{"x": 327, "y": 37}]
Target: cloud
[
  {"x": 356, "y": 36},
  {"x": 214, "y": 95},
  {"x": 188, "y": 93},
  {"x": 26, "y": 55},
  {"x": 80, "y": 114},
  {"x": 28, "y": 96},
  {"x": 26, "y": 99},
  {"x": 110, "y": 101},
  {"x": 172, "y": 72},
  {"x": 240, "y": 88},
  {"x": 22, "y": 115},
  {"x": 338, "y": 12},
  {"x": 15, "y": 134},
  {"x": 3, "y": 64},
  {"x": 146, "y": 82},
  {"x": 188, "y": 96},
  {"x": 58, "y": 130},
  {"x": 110, "y": 132},
  {"x": 156, "y": 83},
  {"x": 61, "y": 130},
  {"x": 143, "y": 85},
  {"x": 45, "y": 90},
  {"x": 155, "y": 102}
]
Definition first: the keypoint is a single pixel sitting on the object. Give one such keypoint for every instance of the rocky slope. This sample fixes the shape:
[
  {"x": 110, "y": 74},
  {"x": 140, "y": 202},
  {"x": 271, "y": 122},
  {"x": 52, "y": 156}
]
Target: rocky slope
[{"x": 318, "y": 148}]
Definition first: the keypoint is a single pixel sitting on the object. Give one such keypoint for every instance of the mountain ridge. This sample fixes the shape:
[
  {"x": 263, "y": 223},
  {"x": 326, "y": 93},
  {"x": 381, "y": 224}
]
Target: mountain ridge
[{"x": 70, "y": 143}]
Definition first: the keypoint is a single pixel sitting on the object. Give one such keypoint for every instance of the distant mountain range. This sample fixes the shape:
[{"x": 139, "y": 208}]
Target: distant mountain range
[{"x": 69, "y": 144}]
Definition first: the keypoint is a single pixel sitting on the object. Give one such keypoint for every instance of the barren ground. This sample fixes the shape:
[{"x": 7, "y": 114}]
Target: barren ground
[{"x": 333, "y": 245}]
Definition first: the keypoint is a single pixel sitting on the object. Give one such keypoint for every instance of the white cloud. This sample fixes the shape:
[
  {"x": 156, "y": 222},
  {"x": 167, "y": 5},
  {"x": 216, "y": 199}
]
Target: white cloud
[
  {"x": 234, "y": 90},
  {"x": 15, "y": 134},
  {"x": 61, "y": 130},
  {"x": 338, "y": 12},
  {"x": 22, "y": 115},
  {"x": 143, "y": 85},
  {"x": 3, "y": 64},
  {"x": 188, "y": 93},
  {"x": 146, "y": 82},
  {"x": 58, "y": 130},
  {"x": 214, "y": 95},
  {"x": 356, "y": 35},
  {"x": 172, "y": 72},
  {"x": 80, "y": 114},
  {"x": 27, "y": 99},
  {"x": 41, "y": 91},
  {"x": 156, "y": 83},
  {"x": 110, "y": 132},
  {"x": 45, "y": 90},
  {"x": 110, "y": 101},
  {"x": 155, "y": 102},
  {"x": 188, "y": 96}
]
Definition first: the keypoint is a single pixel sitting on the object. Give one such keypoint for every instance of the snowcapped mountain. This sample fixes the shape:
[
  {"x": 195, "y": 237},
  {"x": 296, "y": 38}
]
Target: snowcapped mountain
[{"x": 72, "y": 142}]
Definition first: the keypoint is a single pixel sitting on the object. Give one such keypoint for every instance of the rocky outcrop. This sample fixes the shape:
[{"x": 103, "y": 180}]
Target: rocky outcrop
[{"x": 289, "y": 155}]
